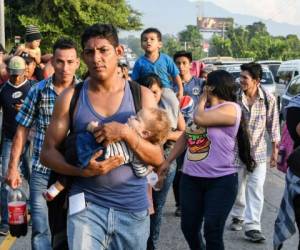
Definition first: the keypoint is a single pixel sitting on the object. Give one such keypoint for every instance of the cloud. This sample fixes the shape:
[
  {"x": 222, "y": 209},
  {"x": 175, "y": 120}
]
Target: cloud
[{"x": 278, "y": 10}]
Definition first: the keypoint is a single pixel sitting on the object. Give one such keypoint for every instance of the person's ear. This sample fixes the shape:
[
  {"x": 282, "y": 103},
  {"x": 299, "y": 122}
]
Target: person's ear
[
  {"x": 160, "y": 44},
  {"x": 120, "y": 50},
  {"x": 146, "y": 133}
]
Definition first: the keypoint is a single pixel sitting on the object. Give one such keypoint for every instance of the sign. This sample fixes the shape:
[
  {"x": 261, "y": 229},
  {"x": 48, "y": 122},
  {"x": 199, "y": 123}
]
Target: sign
[{"x": 215, "y": 24}]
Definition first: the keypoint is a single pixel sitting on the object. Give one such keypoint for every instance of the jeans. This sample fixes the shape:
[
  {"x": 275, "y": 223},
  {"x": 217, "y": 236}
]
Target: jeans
[
  {"x": 250, "y": 199},
  {"x": 176, "y": 182},
  {"x": 40, "y": 238},
  {"x": 25, "y": 170},
  {"x": 208, "y": 199},
  {"x": 100, "y": 228},
  {"x": 159, "y": 200}
]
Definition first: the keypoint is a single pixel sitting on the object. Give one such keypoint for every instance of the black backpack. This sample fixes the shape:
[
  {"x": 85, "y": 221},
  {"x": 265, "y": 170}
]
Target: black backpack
[{"x": 58, "y": 207}]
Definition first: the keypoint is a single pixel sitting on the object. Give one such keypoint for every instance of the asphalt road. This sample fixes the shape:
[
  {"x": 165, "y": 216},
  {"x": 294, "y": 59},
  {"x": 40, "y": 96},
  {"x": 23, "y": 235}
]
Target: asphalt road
[{"x": 172, "y": 237}]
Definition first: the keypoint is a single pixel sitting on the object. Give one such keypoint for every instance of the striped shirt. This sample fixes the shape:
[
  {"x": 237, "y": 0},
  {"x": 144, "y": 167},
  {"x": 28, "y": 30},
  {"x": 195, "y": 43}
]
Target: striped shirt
[
  {"x": 37, "y": 111},
  {"x": 259, "y": 120}
]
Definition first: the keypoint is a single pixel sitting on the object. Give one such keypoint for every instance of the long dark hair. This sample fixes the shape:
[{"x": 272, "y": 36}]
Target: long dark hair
[{"x": 223, "y": 87}]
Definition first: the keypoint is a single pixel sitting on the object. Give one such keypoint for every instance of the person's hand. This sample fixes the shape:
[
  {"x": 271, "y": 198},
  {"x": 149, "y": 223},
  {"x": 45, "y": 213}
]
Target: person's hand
[
  {"x": 19, "y": 105},
  {"x": 13, "y": 178},
  {"x": 110, "y": 132},
  {"x": 163, "y": 168},
  {"x": 274, "y": 158},
  {"x": 179, "y": 94},
  {"x": 101, "y": 167},
  {"x": 203, "y": 96}
]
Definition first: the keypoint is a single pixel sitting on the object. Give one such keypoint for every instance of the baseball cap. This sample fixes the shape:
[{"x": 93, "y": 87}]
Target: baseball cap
[{"x": 16, "y": 65}]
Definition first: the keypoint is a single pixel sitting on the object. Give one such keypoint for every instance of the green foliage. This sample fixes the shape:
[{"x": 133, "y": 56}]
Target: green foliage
[
  {"x": 255, "y": 41},
  {"x": 68, "y": 18},
  {"x": 170, "y": 45}
]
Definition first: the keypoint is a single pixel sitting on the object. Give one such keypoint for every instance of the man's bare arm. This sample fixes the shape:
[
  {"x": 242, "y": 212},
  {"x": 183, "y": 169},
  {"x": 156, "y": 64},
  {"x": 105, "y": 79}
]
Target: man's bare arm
[
  {"x": 13, "y": 176},
  {"x": 57, "y": 132}
]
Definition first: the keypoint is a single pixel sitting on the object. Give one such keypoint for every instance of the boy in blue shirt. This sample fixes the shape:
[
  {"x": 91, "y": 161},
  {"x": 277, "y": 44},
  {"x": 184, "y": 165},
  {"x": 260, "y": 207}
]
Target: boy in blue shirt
[
  {"x": 192, "y": 86},
  {"x": 155, "y": 62}
]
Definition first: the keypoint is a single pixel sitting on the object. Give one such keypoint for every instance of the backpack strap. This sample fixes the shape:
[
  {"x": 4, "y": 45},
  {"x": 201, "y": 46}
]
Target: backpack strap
[
  {"x": 136, "y": 94},
  {"x": 73, "y": 103},
  {"x": 265, "y": 99}
]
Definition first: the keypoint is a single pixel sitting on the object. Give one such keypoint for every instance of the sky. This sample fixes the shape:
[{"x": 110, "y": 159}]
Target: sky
[{"x": 278, "y": 10}]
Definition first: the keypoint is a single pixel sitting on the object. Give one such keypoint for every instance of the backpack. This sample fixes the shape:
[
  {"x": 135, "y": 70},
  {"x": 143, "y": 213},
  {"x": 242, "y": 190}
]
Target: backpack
[
  {"x": 58, "y": 207},
  {"x": 285, "y": 149}
]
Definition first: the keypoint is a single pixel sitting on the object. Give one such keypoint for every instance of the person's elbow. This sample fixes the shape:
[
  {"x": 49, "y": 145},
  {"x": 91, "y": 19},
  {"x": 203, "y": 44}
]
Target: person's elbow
[
  {"x": 44, "y": 156},
  {"x": 198, "y": 119},
  {"x": 158, "y": 160}
]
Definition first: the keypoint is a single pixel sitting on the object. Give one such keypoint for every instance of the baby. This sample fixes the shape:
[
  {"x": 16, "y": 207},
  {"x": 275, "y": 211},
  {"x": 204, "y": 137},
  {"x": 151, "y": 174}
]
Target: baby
[{"x": 152, "y": 124}]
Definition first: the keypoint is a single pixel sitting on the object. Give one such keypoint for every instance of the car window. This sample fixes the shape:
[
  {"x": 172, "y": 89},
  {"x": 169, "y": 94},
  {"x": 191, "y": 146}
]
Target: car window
[
  {"x": 284, "y": 77},
  {"x": 267, "y": 78},
  {"x": 274, "y": 69},
  {"x": 294, "y": 87}
]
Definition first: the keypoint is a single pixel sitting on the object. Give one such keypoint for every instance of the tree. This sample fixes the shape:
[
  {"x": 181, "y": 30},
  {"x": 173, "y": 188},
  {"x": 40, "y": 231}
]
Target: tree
[
  {"x": 191, "y": 39},
  {"x": 69, "y": 18},
  {"x": 220, "y": 46},
  {"x": 254, "y": 41},
  {"x": 170, "y": 45}
]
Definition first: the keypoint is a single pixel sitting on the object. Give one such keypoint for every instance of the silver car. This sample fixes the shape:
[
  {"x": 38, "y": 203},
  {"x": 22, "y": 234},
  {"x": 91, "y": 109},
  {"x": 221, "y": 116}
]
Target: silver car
[{"x": 292, "y": 89}]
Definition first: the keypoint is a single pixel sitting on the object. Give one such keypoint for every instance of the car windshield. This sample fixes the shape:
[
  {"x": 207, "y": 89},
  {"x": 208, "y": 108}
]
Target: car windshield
[
  {"x": 294, "y": 87},
  {"x": 274, "y": 68},
  {"x": 267, "y": 78}
]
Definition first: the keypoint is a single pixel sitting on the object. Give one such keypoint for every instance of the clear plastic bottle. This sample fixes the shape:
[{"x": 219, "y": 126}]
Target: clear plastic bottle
[{"x": 17, "y": 212}]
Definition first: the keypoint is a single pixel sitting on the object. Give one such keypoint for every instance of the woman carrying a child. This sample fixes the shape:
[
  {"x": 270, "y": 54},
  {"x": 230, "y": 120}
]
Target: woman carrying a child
[{"x": 210, "y": 181}]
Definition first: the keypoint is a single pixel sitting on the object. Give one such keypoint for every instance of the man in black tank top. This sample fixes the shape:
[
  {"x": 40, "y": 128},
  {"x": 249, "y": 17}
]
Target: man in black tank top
[{"x": 125, "y": 224}]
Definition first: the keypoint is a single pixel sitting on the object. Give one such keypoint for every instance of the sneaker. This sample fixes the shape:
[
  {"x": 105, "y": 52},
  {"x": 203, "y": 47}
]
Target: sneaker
[
  {"x": 236, "y": 224},
  {"x": 254, "y": 236},
  {"x": 4, "y": 230},
  {"x": 178, "y": 212}
]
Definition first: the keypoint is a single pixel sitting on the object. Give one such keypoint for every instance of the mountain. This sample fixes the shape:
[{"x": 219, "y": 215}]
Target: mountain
[{"x": 172, "y": 16}]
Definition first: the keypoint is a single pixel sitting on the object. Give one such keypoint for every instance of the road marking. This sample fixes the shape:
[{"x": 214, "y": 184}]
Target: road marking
[{"x": 7, "y": 242}]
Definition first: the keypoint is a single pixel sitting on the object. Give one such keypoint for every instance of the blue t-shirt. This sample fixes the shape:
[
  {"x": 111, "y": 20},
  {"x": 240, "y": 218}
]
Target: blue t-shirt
[
  {"x": 193, "y": 88},
  {"x": 164, "y": 67}
]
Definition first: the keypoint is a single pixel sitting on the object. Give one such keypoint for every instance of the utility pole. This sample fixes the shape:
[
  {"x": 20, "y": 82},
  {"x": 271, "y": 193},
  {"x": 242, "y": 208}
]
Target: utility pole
[{"x": 2, "y": 24}]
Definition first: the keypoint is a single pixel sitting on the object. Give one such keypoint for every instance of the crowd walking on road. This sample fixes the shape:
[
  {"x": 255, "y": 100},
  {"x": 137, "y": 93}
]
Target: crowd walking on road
[{"x": 101, "y": 151}]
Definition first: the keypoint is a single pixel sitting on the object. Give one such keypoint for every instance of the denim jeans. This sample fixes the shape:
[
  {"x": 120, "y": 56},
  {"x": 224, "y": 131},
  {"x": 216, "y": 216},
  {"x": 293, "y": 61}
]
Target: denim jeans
[
  {"x": 40, "y": 238},
  {"x": 159, "y": 200},
  {"x": 100, "y": 228},
  {"x": 25, "y": 171},
  {"x": 208, "y": 199}
]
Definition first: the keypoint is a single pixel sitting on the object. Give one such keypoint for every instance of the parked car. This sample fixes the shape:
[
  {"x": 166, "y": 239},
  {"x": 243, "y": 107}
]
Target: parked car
[
  {"x": 293, "y": 89},
  {"x": 273, "y": 65},
  {"x": 286, "y": 71}
]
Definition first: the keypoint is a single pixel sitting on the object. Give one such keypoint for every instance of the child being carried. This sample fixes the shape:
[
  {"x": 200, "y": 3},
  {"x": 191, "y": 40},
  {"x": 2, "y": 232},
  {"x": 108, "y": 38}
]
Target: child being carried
[{"x": 152, "y": 124}]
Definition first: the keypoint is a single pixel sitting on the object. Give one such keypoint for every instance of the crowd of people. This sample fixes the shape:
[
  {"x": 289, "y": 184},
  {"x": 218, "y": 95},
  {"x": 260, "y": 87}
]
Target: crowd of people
[{"x": 97, "y": 140}]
